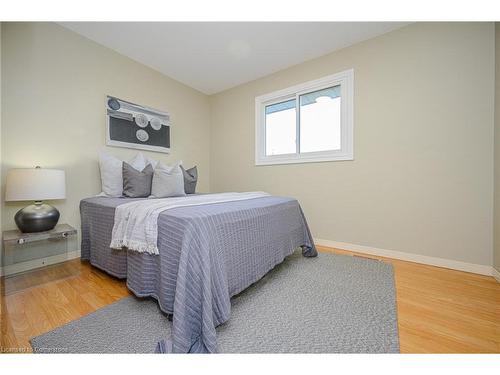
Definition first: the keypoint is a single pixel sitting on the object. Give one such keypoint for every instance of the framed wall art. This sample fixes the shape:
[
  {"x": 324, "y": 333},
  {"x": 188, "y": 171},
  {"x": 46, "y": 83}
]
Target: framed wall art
[{"x": 136, "y": 126}]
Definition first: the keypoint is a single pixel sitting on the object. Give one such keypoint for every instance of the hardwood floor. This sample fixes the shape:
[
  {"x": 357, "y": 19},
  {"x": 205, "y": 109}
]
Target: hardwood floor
[
  {"x": 439, "y": 310},
  {"x": 39, "y": 301}
]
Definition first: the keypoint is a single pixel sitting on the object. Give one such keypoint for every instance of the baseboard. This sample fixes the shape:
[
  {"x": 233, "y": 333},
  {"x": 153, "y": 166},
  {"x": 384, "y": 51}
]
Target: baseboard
[
  {"x": 37, "y": 263},
  {"x": 410, "y": 257},
  {"x": 495, "y": 274}
]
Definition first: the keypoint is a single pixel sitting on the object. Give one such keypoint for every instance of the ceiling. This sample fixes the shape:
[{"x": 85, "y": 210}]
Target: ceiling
[{"x": 214, "y": 56}]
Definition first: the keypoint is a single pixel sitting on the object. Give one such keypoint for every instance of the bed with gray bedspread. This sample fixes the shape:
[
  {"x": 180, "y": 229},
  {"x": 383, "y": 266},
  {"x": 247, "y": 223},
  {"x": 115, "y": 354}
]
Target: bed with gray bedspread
[{"x": 208, "y": 254}]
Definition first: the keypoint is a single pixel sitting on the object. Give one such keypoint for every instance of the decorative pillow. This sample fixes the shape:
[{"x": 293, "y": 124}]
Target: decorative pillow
[
  {"x": 190, "y": 179},
  {"x": 111, "y": 175},
  {"x": 139, "y": 162},
  {"x": 153, "y": 162},
  {"x": 111, "y": 172},
  {"x": 137, "y": 184},
  {"x": 167, "y": 182}
]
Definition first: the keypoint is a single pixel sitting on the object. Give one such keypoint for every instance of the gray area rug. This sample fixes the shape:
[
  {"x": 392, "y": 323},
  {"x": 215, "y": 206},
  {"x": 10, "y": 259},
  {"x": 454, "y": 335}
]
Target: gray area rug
[{"x": 329, "y": 304}]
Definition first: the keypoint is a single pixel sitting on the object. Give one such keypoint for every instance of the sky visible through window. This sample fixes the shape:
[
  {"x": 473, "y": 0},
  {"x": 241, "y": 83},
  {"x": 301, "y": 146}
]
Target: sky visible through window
[
  {"x": 280, "y": 132},
  {"x": 319, "y": 126}
]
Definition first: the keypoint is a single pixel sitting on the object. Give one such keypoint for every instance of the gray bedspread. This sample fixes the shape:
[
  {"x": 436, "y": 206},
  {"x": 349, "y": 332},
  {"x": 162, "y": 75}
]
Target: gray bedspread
[{"x": 208, "y": 254}]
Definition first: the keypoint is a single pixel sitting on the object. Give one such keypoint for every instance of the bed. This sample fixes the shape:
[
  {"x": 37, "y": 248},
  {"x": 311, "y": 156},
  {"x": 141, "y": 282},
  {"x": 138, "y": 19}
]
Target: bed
[{"x": 207, "y": 254}]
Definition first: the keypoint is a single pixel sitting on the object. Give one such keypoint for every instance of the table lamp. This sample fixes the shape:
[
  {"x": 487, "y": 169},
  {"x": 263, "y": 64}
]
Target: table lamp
[{"x": 35, "y": 184}]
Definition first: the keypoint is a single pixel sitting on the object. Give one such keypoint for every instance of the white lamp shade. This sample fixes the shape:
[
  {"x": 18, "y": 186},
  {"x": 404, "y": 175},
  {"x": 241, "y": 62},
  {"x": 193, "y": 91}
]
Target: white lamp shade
[{"x": 35, "y": 184}]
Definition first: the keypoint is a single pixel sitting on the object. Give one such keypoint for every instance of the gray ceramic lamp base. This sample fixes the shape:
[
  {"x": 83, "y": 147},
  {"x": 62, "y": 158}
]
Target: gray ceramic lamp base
[{"x": 38, "y": 217}]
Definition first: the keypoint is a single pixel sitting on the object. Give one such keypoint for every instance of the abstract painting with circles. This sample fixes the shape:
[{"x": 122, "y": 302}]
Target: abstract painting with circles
[{"x": 136, "y": 126}]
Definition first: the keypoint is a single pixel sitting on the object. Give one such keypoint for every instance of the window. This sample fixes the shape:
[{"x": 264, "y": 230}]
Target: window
[{"x": 310, "y": 122}]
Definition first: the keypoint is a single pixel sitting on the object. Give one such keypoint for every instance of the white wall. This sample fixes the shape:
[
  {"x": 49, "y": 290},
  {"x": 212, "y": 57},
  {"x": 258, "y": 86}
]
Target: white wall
[
  {"x": 422, "y": 179},
  {"x": 53, "y": 111},
  {"x": 1, "y": 163},
  {"x": 497, "y": 153}
]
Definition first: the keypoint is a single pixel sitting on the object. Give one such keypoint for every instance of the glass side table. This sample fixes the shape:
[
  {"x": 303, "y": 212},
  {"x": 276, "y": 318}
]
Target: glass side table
[{"x": 27, "y": 251}]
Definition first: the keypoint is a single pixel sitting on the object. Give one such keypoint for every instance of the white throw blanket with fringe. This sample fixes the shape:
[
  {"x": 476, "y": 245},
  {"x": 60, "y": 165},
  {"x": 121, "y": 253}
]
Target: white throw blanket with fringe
[{"x": 136, "y": 223}]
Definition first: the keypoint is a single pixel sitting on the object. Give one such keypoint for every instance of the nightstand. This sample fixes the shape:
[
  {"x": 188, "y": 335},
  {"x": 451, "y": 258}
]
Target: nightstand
[{"x": 26, "y": 251}]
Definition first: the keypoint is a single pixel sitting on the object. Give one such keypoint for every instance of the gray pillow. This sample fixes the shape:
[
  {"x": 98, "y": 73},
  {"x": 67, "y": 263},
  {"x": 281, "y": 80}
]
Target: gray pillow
[
  {"x": 137, "y": 184},
  {"x": 167, "y": 182},
  {"x": 190, "y": 179}
]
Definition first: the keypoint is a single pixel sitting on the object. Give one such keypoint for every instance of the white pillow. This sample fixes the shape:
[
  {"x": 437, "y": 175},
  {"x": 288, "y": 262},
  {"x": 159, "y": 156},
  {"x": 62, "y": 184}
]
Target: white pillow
[
  {"x": 153, "y": 162},
  {"x": 111, "y": 175},
  {"x": 167, "y": 181},
  {"x": 139, "y": 162},
  {"x": 111, "y": 172}
]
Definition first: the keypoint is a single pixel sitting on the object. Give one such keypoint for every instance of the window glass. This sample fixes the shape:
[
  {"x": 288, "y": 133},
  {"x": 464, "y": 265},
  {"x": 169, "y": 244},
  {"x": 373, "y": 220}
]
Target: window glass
[
  {"x": 281, "y": 128},
  {"x": 320, "y": 120}
]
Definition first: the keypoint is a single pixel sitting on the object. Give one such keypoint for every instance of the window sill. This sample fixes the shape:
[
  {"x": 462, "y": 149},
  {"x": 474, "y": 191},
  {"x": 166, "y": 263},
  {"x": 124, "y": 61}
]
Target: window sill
[{"x": 302, "y": 159}]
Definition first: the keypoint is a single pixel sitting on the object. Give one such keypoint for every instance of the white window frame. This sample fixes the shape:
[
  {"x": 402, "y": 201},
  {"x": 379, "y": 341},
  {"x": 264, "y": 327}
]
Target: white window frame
[{"x": 346, "y": 81}]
